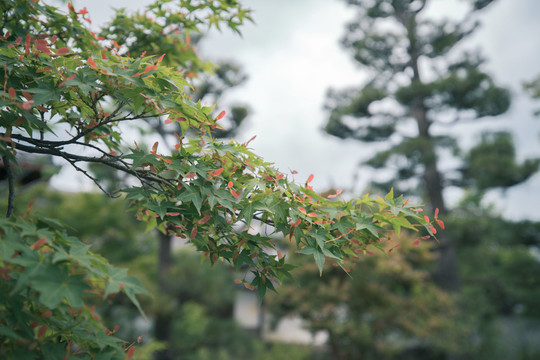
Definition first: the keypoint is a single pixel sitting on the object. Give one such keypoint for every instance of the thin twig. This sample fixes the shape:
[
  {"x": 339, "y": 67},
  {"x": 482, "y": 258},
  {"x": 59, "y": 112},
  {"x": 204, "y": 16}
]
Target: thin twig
[
  {"x": 11, "y": 186},
  {"x": 96, "y": 181}
]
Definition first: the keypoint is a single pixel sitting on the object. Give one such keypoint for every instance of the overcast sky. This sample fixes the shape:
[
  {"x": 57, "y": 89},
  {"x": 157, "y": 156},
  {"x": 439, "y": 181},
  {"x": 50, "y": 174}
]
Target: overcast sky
[{"x": 292, "y": 56}]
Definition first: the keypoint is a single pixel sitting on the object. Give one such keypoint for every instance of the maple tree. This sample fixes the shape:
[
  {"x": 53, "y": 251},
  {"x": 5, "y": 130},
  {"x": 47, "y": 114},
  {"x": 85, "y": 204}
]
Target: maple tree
[{"x": 68, "y": 93}]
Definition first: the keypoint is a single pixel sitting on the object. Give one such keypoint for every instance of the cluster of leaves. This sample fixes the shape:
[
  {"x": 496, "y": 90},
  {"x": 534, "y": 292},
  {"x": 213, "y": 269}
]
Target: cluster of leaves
[
  {"x": 229, "y": 185},
  {"x": 46, "y": 276},
  {"x": 65, "y": 94}
]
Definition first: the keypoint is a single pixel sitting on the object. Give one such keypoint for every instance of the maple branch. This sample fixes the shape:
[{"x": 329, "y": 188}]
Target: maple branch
[{"x": 144, "y": 177}]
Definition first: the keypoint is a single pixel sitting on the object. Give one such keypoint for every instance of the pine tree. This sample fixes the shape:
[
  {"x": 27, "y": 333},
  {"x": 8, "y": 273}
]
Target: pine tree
[{"x": 422, "y": 80}]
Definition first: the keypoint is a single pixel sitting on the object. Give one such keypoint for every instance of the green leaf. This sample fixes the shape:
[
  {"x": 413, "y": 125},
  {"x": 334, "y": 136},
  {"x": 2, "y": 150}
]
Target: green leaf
[
  {"x": 5, "y": 331},
  {"x": 55, "y": 285},
  {"x": 319, "y": 259},
  {"x": 119, "y": 280}
]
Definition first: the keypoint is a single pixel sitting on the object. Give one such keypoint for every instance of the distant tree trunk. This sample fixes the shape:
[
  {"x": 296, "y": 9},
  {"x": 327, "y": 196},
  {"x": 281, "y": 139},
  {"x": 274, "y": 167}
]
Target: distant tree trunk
[
  {"x": 162, "y": 326},
  {"x": 447, "y": 271}
]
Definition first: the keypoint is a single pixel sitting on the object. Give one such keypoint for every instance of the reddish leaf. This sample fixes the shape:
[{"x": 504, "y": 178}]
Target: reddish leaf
[
  {"x": 38, "y": 244},
  {"x": 41, "y": 331},
  {"x": 69, "y": 78},
  {"x": 149, "y": 68},
  {"x": 27, "y": 43},
  {"x": 43, "y": 49},
  {"x": 92, "y": 63},
  {"x": 338, "y": 192},
  {"x": 432, "y": 228},
  {"x": 154, "y": 147},
  {"x": 249, "y": 286},
  {"x": 193, "y": 233},
  {"x": 190, "y": 175},
  {"x": 221, "y": 115},
  {"x": 204, "y": 220},
  {"x": 310, "y": 179},
  {"x": 130, "y": 352},
  {"x": 302, "y": 210},
  {"x": 436, "y": 213},
  {"x": 416, "y": 243},
  {"x": 167, "y": 160},
  {"x": 160, "y": 58},
  {"x": 237, "y": 281},
  {"x": 426, "y": 218},
  {"x": 392, "y": 249},
  {"x": 230, "y": 184},
  {"x": 441, "y": 224},
  {"x": 234, "y": 193},
  {"x": 12, "y": 93},
  {"x": 250, "y": 140},
  {"x": 312, "y": 214},
  {"x": 62, "y": 51},
  {"x": 168, "y": 121},
  {"x": 172, "y": 213},
  {"x": 218, "y": 172}
]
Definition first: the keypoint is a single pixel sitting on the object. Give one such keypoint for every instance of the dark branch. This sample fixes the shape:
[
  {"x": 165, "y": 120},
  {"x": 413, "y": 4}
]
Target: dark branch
[{"x": 143, "y": 176}]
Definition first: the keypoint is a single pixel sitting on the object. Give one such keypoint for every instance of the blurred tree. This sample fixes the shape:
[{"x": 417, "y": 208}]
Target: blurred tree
[
  {"x": 422, "y": 82},
  {"x": 533, "y": 88},
  {"x": 389, "y": 308}
]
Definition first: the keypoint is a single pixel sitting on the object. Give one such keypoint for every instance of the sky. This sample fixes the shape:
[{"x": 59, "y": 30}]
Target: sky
[{"x": 292, "y": 57}]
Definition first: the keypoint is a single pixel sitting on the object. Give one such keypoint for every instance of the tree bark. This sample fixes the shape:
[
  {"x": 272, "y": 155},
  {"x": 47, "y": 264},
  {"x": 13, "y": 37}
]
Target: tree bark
[
  {"x": 162, "y": 325},
  {"x": 446, "y": 275}
]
